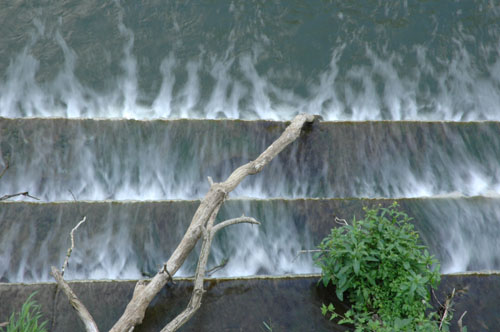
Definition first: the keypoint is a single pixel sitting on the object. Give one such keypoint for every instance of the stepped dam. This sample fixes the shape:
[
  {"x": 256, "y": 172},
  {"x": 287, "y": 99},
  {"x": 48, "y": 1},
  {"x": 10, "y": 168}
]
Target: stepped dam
[{"x": 119, "y": 111}]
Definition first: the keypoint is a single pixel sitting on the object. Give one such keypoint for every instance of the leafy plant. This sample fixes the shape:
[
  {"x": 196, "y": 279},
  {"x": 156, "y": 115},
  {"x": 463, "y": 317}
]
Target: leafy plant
[
  {"x": 27, "y": 319},
  {"x": 378, "y": 264}
]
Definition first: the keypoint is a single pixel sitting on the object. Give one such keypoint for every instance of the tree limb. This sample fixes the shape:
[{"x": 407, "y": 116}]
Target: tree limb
[
  {"x": 195, "y": 301},
  {"x": 83, "y": 313},
  {"x": 136, "y": 308},
  {"x": 81, "y": 310}
]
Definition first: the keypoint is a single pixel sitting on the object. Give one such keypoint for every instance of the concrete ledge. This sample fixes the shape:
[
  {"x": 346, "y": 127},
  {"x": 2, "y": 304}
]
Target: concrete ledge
[{"x": 241, "y": 304}]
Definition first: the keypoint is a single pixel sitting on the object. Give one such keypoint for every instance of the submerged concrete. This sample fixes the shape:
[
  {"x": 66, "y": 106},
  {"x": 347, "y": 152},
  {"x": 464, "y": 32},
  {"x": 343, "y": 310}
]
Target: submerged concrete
[{"x": 284, "y": 303}]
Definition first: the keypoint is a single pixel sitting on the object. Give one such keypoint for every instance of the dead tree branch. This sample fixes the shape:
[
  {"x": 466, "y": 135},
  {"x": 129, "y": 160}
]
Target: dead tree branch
[
  {"x": 27, "y": 194},
  {"x": 5, "y": 197},
  {"x": 235, "y": 221},
  {"x": 195, "y": 302},
  {"x": 135, "y": 310},
  {"x": 201, "y": 224},
  {"x": 81, "y": 310},
  {"x": 70, "y": 249},
  {"x": 446, "y": 308}
]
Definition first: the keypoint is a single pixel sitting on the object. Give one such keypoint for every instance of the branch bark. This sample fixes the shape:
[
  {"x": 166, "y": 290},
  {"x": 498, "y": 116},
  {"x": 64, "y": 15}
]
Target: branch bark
[
  {"x": 202, "y": 223},
  {"x": 198, "y": 291},
  {"x": 83, "y": 313},
  {"x": 135, "y": 310}
]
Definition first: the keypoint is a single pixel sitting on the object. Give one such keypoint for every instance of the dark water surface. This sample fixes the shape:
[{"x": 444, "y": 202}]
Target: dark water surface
[{"x": 433, "y": 60}]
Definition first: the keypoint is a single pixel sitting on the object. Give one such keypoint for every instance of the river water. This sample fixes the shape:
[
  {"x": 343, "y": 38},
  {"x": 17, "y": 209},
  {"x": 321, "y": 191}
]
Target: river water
[
  {"x": 435, "y": 65},
  {"x": 344, "y": 60}
]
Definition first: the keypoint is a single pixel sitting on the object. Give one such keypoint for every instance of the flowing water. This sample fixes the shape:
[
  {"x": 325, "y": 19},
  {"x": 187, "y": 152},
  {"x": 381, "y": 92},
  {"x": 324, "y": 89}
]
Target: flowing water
[{"x": 65, "y": 64}]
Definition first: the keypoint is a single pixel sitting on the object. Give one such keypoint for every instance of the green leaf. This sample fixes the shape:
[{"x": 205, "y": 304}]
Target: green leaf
[
  {"x": 340, "y": 293},
  {"x": 324, "y": 310},
  {"x": 356, "y": 266}
]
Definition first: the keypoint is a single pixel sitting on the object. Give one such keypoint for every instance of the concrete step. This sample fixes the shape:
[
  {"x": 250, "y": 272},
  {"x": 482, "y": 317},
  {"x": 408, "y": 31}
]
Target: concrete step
[
  {"x": 131, "y": 239},
  {"x": 241, "y": 304},
  {"x": 62, "y": 159}
]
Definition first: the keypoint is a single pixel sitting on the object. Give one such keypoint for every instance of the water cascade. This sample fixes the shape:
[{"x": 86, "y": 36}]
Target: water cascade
[{"x": 120, "y": 110}]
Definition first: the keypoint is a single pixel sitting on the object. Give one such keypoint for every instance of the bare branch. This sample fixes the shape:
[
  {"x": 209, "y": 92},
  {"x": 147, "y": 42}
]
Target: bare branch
[
  {"x": 136, "y": 308},
  {"x": 195, "y": 301},
  {"x": 27, "y": 194},
  {"x": 83, "y": 313},
  {"x": 234, "y": 221},
  {"x": 217, "y": 267},
  {"x": 447, "y": 305},
  {"x": 342, "y": 222},
  {"x": 70, "y": 249},
  {"x": 300, "y": 252},
  {"x": 81, "y": 310},
  {"x": 73, "y": 195},
  {"x": 459, "y": 323},
  {"x": 3, "y": 172}
]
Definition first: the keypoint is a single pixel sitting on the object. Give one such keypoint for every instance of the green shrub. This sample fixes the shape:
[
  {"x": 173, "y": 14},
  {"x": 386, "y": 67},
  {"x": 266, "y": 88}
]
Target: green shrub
[
  {"x": 27, "y": 319},
  {"x": 378, "y": 264}
]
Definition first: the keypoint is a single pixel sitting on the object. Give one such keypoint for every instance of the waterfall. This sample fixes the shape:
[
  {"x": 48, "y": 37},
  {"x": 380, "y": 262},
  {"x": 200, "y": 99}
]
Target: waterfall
[{"x": 105, "y": 105}]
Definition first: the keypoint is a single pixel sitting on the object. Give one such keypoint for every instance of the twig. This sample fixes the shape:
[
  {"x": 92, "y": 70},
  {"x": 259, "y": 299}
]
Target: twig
[
  {"x": 1, "y": 174},
  {"x": 4, "y": 323},
  {"x": 447, "y": 304},
  {"x": 27, "y": 194},
  {"x": 459, "y": 323},
  {"x": 435, "y": 298},
  {"x": 214, "y": 269},
  {"x": 217, "y": 267},
  {"x": 300, "y": 252},
  {"x": 70, "y": 249},
  {"x": 342, "y": 222},
  {"x": 74, "y": 198}
]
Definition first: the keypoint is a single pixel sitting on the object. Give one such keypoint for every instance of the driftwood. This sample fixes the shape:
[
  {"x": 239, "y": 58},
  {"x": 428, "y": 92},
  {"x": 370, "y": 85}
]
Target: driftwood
[
  {"x": 26, "y": 194},
  {"x": 202, "y": 225}
]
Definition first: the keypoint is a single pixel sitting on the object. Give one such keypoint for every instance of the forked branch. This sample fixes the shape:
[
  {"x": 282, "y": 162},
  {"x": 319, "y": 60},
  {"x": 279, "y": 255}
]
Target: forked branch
[
  {"x": 134, "y": 313},
  {"x": 202, "y": 223}
]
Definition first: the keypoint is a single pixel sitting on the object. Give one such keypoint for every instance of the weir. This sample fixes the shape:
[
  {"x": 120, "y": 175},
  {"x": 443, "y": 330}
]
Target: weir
[
  {"x": 124, "y": 240},
  {"x": 118, "y": 111}
]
